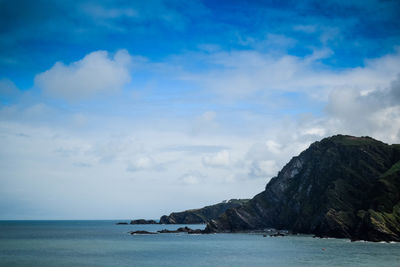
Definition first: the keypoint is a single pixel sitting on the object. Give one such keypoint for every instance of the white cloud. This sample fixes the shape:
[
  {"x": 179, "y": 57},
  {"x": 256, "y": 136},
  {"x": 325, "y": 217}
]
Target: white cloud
[
  {"x": 273, "y": 146},
  {"x": 315, "y": 131},
  {"x": 144, "y": 163},
  {"x": 326, "y": 34},
  {"x": 375, "y": 112},
  {"x": 239, "y": 74},
  {"x": 109, "y": 16},
  {"x": 206, "y": 122},
  {"x": 208, "y": 116},
  {"x": 8, "y": 88},
  {"x": 264, "y": 169},
  {"x": 99, "y": 11},
  {"x": 305, "y": 28},
  {"x": 277, "y": 40},
  {"x": 191, "y": 178},
  {"x": 220, "y": 159},
  {"x": 96, "y": 73},
  {"x": 357, "y": 100}
]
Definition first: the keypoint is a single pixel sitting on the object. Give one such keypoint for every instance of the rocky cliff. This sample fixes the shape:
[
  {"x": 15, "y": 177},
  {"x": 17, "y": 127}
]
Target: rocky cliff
[
  {"x": 202, "y": 215},
  {"x": 342, "y": 186}
]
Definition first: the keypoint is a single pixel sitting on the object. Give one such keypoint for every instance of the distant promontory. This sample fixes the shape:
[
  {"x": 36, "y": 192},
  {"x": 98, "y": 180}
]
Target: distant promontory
[
  {"x": 194, "y": 216},
  {"x": 203, "y": 215}
]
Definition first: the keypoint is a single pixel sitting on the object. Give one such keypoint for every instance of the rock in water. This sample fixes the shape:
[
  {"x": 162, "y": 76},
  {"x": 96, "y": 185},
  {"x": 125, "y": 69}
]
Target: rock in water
[
  {"x": 141, "y": 232},
  {"x": 182, "y": 230},
  {"x": 342, "y": 186},
  {"x": 143, "y": 221}
]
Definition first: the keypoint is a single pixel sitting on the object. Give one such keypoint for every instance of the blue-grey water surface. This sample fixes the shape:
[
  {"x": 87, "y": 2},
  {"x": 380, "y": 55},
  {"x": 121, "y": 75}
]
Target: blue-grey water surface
[{"x": 102, "y": 243}]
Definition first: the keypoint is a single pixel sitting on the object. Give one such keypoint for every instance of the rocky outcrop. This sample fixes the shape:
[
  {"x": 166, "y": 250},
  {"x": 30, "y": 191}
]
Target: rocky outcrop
[
  {"x": 166, "y": 231},
  {"x": 203, "y": 215},
  {"x": 143, "y": 221},
  {"x": 142, "y": 232},
  {"x": 182, "y": 230},
  {"x": 342, "y": 186}
]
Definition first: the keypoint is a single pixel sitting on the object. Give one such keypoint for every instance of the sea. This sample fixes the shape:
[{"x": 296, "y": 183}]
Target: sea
[{"x": 103, "y": 243}]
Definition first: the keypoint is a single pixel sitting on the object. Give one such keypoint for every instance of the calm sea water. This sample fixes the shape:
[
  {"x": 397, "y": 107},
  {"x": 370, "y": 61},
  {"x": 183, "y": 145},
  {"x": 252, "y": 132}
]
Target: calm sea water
[{"x": 102, "y": 243}]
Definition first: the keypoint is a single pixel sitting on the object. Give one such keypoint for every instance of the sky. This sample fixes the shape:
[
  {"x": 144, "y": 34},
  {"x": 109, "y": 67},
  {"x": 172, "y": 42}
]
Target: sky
[{"x": 134, "y": 109}]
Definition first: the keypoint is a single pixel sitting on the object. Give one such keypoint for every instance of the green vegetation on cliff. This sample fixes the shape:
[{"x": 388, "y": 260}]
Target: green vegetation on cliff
[{"x": 342, "y": 186}]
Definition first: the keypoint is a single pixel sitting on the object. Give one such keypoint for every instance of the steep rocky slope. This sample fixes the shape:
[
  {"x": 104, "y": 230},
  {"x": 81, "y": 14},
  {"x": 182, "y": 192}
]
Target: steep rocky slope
[
  {"x": 342, "y": 186},
  {"x": 202, "y": 215}
]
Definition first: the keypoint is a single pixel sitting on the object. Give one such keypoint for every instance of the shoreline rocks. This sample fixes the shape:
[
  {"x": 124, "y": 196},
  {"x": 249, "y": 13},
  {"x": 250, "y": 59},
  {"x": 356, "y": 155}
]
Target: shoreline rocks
[
  {"x": 277, "y": 234},
  {"x": 143, "y": 221},
  {"x": 166, "y": 231},
  {"x": 141, "y": 232}
]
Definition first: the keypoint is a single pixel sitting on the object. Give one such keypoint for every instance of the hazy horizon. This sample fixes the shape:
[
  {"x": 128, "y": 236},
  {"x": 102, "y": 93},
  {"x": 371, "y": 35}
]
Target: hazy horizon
[{"x": 135, "y": 109}]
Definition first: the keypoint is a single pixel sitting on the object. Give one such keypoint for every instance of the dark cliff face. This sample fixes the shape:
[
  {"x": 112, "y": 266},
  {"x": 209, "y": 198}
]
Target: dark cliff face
[
  {"x": 342, "y": 186},
  {"x": 202, "y": 215}
]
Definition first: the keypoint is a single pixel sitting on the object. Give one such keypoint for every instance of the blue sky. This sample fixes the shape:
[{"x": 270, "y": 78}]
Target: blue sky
[{"x": 121, "y": 109}]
